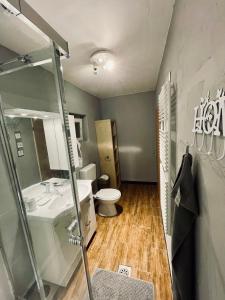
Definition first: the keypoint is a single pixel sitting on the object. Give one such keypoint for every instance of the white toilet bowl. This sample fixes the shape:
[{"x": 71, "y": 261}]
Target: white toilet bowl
[{"x": 107, "y": 199}]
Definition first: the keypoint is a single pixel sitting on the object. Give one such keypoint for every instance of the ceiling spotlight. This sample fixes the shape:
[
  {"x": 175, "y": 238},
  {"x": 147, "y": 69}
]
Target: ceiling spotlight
[{"x": 102, "y": 60}]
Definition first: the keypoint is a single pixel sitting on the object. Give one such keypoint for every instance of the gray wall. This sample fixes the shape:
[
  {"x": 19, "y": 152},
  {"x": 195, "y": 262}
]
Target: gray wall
[
  {"x": 135, "y": 120},
  {"x": 195, "y": 54},
  {"x": 80, "y": 102},
  {"x": 27, "y": 165},
  {"x": 11, "y": 234}
]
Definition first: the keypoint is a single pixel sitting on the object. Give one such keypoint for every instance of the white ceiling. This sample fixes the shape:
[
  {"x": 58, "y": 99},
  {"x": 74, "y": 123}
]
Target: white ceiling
[{"x": 134, "y": 30}]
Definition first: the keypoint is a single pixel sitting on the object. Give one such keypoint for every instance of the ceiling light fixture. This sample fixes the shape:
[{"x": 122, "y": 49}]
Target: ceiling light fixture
[{"x": 102, "y": 60}]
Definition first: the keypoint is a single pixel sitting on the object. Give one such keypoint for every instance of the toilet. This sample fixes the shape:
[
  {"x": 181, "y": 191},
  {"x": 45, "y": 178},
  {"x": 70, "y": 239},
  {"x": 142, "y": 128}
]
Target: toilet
[{"x": 107, "y": 197}]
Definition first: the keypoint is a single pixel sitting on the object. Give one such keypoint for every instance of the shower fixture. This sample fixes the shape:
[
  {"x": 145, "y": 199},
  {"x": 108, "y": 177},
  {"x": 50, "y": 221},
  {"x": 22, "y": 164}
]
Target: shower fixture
[{"x": 102, "y": 60}]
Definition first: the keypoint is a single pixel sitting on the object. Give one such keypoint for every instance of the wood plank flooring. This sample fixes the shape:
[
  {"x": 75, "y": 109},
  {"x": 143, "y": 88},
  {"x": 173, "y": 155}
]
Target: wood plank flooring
[{"x": 134, "y": 238}]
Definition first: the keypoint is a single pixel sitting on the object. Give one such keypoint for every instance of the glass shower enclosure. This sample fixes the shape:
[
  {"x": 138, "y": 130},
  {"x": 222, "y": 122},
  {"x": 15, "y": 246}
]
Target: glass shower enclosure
[{"x": 42, "y": 251}]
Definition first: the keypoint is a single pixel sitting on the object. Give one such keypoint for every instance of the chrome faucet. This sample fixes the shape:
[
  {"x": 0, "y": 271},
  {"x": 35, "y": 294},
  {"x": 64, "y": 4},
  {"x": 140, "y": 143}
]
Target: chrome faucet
[{"x": 47, "y": 186}]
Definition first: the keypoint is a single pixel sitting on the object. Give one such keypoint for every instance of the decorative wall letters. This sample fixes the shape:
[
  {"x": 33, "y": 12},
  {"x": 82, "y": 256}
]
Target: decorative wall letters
[{"x": 210, "y": 115}]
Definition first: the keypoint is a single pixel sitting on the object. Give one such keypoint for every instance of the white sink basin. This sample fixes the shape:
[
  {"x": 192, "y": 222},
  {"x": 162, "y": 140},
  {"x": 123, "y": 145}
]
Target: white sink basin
[
  {"x": 66, "y": 199},
  {"x": 57, "y": 202},
  {"x": 83, "y": 190}
]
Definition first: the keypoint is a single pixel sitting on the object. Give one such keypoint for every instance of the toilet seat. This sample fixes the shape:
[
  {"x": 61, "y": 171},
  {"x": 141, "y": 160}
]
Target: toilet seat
[{"x": 108, "y": 194}]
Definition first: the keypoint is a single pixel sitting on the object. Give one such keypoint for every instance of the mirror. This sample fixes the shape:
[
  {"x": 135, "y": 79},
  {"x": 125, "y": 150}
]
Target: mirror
[{"x": 38, "y": 144}]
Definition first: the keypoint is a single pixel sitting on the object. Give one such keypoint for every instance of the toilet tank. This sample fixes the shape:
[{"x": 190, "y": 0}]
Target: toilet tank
[{"x": 88, "y": 172}]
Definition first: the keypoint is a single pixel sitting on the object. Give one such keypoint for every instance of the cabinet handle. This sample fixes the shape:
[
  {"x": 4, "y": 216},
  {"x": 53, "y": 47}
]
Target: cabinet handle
[
  {"x": 107, "y": 158},
  {"x": 88, "y": 224}
]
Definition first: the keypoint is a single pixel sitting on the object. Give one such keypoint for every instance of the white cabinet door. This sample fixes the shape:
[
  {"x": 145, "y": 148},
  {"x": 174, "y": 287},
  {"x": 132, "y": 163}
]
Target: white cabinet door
[{"x": 56, "y": 144}]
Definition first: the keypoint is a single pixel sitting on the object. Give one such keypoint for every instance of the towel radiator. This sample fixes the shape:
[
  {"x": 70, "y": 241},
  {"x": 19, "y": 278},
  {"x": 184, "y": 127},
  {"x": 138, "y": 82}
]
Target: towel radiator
[{"x": 167, "y": 154}]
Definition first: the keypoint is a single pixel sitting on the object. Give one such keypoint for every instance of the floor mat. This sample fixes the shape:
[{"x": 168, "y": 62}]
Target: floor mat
[{"x": 107, "y": 285}]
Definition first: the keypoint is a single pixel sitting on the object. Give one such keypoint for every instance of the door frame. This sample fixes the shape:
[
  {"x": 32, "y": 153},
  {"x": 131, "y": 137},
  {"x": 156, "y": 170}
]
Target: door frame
[{"x": 64, "y": 116}]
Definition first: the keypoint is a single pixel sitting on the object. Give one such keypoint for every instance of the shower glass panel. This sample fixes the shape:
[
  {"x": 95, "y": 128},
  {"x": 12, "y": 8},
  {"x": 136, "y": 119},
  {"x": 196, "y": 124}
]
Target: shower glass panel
[{"x": 42, "y": 174}]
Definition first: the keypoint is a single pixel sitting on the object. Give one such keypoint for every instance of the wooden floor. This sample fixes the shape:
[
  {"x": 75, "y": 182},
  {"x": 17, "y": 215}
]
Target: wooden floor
[{"x": 134, "y": 238}]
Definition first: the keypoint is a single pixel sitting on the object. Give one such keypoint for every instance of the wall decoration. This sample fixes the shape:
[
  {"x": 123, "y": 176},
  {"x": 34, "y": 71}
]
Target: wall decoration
[
  {"x": 210, "y": 115},
  {"x": 17, "y": 135},
  {"x": 209, "y": 119},
  {"x": 19, "y": 144},
  {"x": 20, "y": 153}
]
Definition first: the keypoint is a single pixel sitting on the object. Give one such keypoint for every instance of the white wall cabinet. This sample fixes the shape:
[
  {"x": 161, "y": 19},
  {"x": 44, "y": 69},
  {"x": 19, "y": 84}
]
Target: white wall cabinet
[{"x": 56, "y": 144}]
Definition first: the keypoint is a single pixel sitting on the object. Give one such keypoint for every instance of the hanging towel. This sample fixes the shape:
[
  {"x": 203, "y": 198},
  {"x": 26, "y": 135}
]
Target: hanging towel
[{"x": 183, "y": 254}]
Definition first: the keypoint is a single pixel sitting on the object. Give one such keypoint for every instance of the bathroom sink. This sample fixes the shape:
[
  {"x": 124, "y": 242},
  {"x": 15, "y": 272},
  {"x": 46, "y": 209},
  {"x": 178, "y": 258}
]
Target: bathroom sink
[
  {"x": 83, "y": 190},
  {"x": 57, "y": 202},
  {"x": 65, "y": 200}
]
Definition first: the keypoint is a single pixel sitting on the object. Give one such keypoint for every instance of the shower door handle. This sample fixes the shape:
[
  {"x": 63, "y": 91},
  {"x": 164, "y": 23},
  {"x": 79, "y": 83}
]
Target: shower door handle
[
  {"x": 73, "y": 238},
  {"x": 72, "y": 226}
]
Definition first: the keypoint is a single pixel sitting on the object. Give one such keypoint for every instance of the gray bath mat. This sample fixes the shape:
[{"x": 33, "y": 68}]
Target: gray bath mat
[{"x": 107, "y": 285}]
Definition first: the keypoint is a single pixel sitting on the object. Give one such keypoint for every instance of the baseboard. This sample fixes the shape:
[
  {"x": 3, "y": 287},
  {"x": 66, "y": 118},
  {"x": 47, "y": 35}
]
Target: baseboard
[{"x": 139, "y": 182}]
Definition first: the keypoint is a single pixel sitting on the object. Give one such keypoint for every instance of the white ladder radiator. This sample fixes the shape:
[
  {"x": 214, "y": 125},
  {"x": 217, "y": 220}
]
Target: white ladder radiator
[{"x": 165, "y": 105}]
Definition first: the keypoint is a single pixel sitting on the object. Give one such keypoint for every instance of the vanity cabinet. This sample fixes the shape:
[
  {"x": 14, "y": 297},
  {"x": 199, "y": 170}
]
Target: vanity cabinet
[
  {"x": 56, "y": 257},
  {"x": 108, "y": 150},
  {"x": 88, "y": 219},
  {"x": 56, "y": 143}
]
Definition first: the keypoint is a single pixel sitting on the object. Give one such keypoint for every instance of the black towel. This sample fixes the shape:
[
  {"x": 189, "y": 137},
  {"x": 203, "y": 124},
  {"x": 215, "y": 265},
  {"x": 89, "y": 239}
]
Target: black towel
[{"x": 183, "y": 248}]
